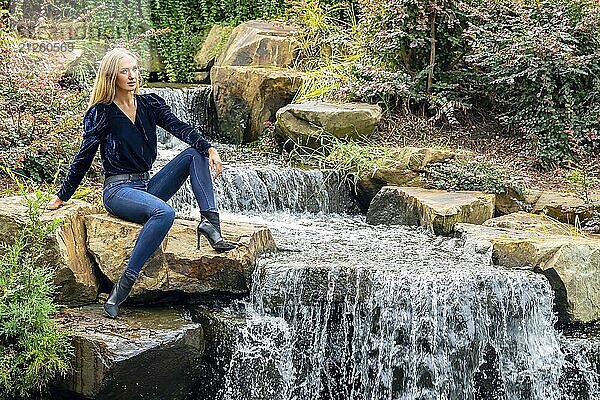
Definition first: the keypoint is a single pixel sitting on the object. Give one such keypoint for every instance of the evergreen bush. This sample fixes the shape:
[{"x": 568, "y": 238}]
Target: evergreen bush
[{"x": 32, "y": 348}]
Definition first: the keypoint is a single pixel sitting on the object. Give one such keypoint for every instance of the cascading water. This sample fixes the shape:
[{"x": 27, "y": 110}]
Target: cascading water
[
  {"x": 346, "y": 310},
  {"x": 266, "y": 188},
  {"x": 392, "y": 313}
]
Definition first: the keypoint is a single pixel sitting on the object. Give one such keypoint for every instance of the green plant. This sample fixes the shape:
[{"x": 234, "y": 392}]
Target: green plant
[
  {"x": 583, "y": 174},
  {"x": 539, "y": 61},
  {"x": 39, "y": 120},
  {"x": 326, "y": 44},
  {"x": 33, "y": 350},
  {"x": 353, "y": 158},
  {"x": 466, "y": 173}
]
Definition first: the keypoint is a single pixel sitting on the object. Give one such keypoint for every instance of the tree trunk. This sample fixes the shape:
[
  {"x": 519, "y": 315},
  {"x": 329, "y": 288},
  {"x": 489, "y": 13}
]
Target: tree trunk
[{"x": 432, "y": 50}]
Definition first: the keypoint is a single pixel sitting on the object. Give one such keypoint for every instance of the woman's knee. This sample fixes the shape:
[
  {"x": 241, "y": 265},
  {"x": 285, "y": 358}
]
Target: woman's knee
[{"x": 166, "y": 214}]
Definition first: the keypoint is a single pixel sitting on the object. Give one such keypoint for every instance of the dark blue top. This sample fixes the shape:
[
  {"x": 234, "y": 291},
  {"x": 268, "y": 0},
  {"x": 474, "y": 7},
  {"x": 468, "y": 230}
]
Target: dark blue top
[{"x": 125, "y": 147}]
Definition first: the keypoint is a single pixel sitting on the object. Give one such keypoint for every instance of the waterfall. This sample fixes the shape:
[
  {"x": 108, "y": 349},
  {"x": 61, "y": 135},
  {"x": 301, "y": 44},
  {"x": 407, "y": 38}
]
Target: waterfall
[
  {"x": 267, "y": 188},
  {"x": 392, "y": 313},
  {"x": 349, "y": 311},
  {"x": 581, "y": 373},
  {"x": 246, "y": 187}
]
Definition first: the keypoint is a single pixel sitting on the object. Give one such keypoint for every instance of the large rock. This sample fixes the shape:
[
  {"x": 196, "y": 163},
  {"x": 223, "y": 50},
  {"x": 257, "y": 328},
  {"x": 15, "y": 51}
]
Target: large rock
[
  {"x": 305, "y": 123},
  {"x": 407, "y": 163},
  {"x": 212, "y": 47},
  {"x": 570, "y": 262},
  {"x": 513, "y": 201},
  {"x": 259, "y": 43},
  {"x": 436, "y": 210},
  {"x": 246, "y": 97},
  {"x": 177, "y": 267},
  {"x": 566, "y": 207},
  {"x": 536, "y": 223},
  {"x": 66, "y": 248},
  {"x": 145, "y": 353}
]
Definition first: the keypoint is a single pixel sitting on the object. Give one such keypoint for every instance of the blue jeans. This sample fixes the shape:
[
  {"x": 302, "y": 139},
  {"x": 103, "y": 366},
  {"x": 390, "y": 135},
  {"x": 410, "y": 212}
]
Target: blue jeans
[{"x": 144, "y": 201}]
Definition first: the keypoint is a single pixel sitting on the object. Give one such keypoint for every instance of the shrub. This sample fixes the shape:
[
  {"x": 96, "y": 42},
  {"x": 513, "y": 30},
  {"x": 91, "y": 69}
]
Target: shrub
[
  {"x": 540, "y": 62},
  {"x": 32, "y": 348},
  {"x": 39, "y": 121},
  {"x": 465, "y": 173},
  {"x": 411, "y": 50}
]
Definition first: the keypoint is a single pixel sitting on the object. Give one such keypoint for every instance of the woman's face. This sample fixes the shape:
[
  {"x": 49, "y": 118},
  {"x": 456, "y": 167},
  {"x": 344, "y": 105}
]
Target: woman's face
[{"x": 127, "y": 74}]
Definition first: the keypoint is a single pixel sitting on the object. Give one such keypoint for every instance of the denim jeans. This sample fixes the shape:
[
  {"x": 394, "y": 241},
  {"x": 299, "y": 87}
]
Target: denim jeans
[{"x": 144, "y": 201}]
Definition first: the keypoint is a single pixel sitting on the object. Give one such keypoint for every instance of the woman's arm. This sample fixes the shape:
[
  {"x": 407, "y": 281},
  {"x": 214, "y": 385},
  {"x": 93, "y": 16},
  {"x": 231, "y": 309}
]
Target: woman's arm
[
  {"x": 94, "y": 128},
  {"x": 181, "y": 130}
]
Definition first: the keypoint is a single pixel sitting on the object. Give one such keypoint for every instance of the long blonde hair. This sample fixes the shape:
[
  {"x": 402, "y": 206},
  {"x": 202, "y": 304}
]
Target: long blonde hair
[{"x": 104, "y": 89}]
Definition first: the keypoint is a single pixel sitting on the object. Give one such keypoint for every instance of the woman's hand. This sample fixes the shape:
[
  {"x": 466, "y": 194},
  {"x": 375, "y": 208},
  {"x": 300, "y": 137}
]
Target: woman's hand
[
  {"x": 54, "y": 203},
  {"x": 214, "y": 162}
]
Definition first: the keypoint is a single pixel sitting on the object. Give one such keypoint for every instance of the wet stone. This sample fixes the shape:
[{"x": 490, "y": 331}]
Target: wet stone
[
  {"x": 436, "y": 210},
  {"x": 145, "y": 353}
]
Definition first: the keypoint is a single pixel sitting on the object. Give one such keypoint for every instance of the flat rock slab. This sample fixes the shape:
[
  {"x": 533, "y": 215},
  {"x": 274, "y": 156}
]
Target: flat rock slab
[
  {"x": 435, "y": 210},
  {"x": 407, "y": 163},
  {"x": 535, "y": 223},
  {"x": 568, "y": 207},
  {"x": 144, "y": 354},
  {"x": 177, "y": 266},
  {"x": 571, "y": 263},
  {"x": 66, "y": 248}
]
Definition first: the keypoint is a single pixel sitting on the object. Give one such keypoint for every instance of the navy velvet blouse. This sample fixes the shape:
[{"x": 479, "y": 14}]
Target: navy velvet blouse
[{"x": 126, "y": 147}]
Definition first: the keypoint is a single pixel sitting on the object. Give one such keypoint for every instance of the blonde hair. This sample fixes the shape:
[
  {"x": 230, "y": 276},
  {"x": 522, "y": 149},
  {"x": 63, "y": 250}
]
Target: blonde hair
[{"x": 104, "y": 89}]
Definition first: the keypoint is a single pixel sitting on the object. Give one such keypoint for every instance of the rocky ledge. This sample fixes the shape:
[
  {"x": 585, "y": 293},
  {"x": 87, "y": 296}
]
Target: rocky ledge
[
  {"x": 570, "y": 260},
  {"x": 151, "y": 353},
  {"x": 90, "y": 250},
  {"x": 177, "y": 266}
]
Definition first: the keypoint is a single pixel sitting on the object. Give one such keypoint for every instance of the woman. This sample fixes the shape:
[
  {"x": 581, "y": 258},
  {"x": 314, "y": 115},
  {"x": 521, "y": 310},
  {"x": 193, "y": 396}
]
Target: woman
[{"x": 123, "y": 124}]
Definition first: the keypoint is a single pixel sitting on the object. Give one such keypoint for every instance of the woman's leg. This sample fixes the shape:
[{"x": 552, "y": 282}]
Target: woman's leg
[
  {"x": 190, "y": 163},
  {"x": 169, "y": 179},
  {"x": 131, "y": 202}
]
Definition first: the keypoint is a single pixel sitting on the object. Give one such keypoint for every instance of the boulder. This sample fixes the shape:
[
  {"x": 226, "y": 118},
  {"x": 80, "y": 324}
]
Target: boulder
[
  {"x": 145, "y": 353},
  {"x": 536, "y": 223},
  {"x": 246, "y": 97},
  {"x": 259, "y": 43},
  {"x": 513, "y": 201},
  {"x": 566, "y": 207},
  {"x": 305, "y": 123},
  {"x": 418, "y": 158},
  {"x": 212, "y": 47},
  {"x": 408, "y": 161},
  {"x": 66, "y": 248},
  {"x": 570, "y": 262},
  {"x": 177, "y": 267},
  {"x": 436, "y": 210}
]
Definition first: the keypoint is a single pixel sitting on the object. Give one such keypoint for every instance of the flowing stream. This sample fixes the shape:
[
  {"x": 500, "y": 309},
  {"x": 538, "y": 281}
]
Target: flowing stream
[{"x": 345, "y": 310}]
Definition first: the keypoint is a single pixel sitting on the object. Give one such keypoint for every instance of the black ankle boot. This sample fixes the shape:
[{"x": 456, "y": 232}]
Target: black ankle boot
[
  {"x": 118, "y": 294},
  {"x": 210, "y": 227}
]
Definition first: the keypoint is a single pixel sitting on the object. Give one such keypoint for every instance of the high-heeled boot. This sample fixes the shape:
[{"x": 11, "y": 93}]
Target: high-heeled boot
[
  {"x": 210, "y": 227},
  {"x": 118, "y": 294}
]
